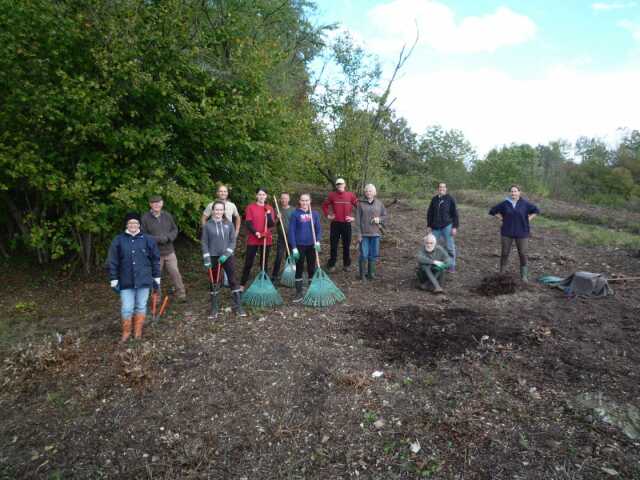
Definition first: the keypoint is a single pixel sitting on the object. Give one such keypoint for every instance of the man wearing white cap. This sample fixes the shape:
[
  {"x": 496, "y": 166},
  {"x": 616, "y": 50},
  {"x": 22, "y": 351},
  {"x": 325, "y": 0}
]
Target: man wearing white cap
[{"x": 338, "y": 208}]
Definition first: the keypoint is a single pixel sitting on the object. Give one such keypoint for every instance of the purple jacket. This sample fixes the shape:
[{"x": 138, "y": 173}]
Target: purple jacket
[{"x": 515, "y": 220}]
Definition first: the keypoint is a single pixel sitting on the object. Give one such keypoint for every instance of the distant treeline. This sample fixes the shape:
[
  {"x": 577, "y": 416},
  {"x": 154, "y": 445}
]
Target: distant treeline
[{"x": 105, "y": 103}]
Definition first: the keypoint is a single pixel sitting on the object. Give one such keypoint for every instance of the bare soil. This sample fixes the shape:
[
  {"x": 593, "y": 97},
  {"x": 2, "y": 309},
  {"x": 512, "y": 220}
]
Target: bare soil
[{"x": 477, "y": 384}]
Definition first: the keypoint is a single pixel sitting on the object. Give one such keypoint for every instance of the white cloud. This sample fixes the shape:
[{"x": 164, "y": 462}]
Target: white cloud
[
  {"x": 604, "y": 6},
  {"x": 633, "y": 27},
  {"x": 494, "y": 108},
  {"x": 440, "y": 29}
]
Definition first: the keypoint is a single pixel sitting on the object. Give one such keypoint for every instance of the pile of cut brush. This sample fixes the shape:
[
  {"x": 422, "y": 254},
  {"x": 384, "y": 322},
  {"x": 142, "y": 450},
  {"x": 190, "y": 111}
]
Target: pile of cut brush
[{"x": 499, "y": 284}]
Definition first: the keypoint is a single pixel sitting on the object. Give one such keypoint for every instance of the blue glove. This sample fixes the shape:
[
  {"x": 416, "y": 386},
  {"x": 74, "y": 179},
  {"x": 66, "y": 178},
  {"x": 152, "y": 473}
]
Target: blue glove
[
  {"x": 222, "y": 259},
  {"x": 295, "y": 254},
  {"x": 317, "y": 247}
]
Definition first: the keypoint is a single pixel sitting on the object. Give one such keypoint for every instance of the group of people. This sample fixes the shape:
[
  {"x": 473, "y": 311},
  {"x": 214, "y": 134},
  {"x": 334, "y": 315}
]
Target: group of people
[{"x": 138, "y": 255}]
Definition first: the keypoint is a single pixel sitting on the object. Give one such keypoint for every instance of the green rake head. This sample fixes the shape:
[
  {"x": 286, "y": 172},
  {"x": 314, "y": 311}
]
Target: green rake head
[
  {"x": 288, "y": 278},
  {"x": 322, "y": 291},
  {"x": 261, "y": 293}
]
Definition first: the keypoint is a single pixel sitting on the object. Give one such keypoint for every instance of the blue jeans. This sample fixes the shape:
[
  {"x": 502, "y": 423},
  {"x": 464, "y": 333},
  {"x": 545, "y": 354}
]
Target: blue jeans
[
  {"x": 134, "y": 300},
  {"x": 369, "y": 248},
  {"x": 443, "y": 235}
]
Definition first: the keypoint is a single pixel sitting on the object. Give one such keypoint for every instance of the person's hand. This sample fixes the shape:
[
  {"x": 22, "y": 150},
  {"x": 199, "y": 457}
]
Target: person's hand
[
  {"x": 295, "y": 254},
  {"x": 207, "y": 262},
  {"x": 317, "y": 247},
  {"x": 223, "y": 258},
  {"x": 114, "y": 285},
  {"x": 331, "y": 216},
  {"x": 156, "y": 283},
  {"x": 454, "y": 232},
  {"x": 437, "y": 263},
  {"x": 349, "y": 218},
  {"x": 259, "y": 235},
  {"x": 359, "y": 239},
  {"x": 376, "y": 220}
]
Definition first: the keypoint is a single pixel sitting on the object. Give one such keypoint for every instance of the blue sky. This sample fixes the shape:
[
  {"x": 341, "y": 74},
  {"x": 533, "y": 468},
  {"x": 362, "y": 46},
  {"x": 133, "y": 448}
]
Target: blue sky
[{"x": 506, "y": 71}]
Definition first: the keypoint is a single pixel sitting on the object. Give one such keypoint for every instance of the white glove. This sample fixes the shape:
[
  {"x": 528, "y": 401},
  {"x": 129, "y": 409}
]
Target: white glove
[
  {"x": 438, "y": 263},
  {"x": 157, "y": 280},
  {"x": 114, "y": 283}
]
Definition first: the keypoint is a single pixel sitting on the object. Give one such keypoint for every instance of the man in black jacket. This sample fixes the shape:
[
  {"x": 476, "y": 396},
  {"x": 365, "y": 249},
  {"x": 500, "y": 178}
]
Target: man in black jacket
[{"x": 442, "y": 221}]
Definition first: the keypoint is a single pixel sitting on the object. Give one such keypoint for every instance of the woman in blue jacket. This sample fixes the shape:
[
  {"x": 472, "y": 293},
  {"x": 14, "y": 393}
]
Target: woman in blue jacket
[
  {"x": 304, "y": 245},
  {"x": 134, "y": 268},
  {"x": 516, "y": 212}
]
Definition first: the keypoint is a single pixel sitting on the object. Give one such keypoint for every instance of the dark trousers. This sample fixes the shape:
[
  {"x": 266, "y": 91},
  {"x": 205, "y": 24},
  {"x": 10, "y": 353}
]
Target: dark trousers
[
  {"x": 280, "y": 253},
  {"x": 426, "y": 274},
  {"x": 337, "y": 231},
  {"x": 521, "y": 244},
  {"x": 249, "y": 257},
  {"x": 229, "y": 268},
  {"x": 308, "y": 253}
]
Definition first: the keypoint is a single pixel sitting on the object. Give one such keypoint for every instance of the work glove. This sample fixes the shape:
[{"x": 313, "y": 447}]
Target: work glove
[
  {"x": 156, "y": 283},
  {"x": 295, "y": 254},
  {"x": 317, "y": 247},
  {"x": 114, "y": 286},
  {"x": 222, "y": 259},
  {"x": 207, "y": 262}
]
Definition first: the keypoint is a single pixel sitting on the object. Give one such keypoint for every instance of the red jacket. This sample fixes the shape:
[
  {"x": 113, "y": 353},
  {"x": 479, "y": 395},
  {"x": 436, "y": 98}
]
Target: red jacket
[
  {"x": 254, "y": 217},
  {"x": 342, "y": 204}
]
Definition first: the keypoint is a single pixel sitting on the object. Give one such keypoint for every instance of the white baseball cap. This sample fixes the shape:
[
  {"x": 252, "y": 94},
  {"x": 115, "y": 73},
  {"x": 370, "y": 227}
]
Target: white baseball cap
[{"x": 340, "y": 180}]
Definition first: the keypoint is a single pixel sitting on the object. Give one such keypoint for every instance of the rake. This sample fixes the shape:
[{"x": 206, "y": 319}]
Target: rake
[
  {"x": 261, "y": 293},
  {"x": 288, "y": 278},
  {"x": 322, "y": 292}
]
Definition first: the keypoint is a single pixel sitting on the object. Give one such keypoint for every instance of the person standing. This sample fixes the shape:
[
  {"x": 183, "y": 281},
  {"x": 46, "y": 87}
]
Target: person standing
[
  {"x": 515, "y": 212},
  {"x": 443, "y": 221},
  {"x": 370, "y": 216},
  {"x": 301, "y": 240},
  {"x": 259, "y": 219},
  {"x": 283, "y": 219},
  {"x": 134, "y": 268},
  {"x": 160, "y": 226},
  {"x": 338, "y": 208},
  {"x": 218, "y": 246},
  {"x": 230, "y": 210},
  {"x": 433, "y": 261}
]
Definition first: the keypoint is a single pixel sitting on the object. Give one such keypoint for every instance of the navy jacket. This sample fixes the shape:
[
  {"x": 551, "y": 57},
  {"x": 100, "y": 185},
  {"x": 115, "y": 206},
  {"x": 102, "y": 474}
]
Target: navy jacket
[
  {"x": 134, "y": 261},
  {"x": 515, "y": 221},
  {"x": 300, "y": 233},
  {"x": 442, "y": 212}
]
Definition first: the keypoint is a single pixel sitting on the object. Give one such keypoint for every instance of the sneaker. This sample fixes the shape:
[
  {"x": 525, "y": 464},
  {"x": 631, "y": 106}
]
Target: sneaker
[
  {"x": 438, "y": 290},
  {"x": 452, "y": 270},
  {"x": 346, "y": 268},
  {"x": 182, "y": 298},
  {"x": 331, "y": 269}
]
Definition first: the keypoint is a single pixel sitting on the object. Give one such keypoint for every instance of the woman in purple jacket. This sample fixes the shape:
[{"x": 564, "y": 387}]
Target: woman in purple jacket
[{"x": 515, "y": 212}]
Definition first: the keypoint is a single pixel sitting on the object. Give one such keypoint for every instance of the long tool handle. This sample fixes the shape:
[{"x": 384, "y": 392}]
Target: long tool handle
[
  {"x": 264, "y": 241},
  {"x": 313, "y": 233},
  {"x": 154, "y": 305},
  {"x": 623, "y": 279},
  {"x": 164, "y": 305},
  {"x": 284, "y": 234}
]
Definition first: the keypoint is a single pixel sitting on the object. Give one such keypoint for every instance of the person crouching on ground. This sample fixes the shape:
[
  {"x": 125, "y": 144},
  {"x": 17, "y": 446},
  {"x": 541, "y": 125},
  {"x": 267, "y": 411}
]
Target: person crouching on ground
[
  {"x": 370, "y": 215},
  {"x": 301, "y": 240},
  {"x": 433, "y": 260},
  {"x": 134, "y": 268},
  {"x": 218, "y": 245},
  {"x": 515, "y": 212},
  {"x": 259, "y": 219}
]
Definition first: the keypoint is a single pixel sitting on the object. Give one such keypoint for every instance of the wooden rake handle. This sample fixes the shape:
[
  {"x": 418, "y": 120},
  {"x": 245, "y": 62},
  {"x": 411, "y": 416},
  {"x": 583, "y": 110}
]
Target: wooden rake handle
[
  {"x": 284, "y": 234},
  {"x": 313, "y": 234}
]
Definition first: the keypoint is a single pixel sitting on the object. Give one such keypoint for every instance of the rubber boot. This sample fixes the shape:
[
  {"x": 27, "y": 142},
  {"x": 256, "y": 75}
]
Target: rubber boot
[
  {"x": 361, "y": 264},
  {"x": 299, "y": 294},
  {"x": 138, "y": 322},
  {"x": 524, "y": 273},
  {"x": 237, "y": 304},
  {"x": 371, "y": 271},
  {"x": 126, "y": 329}
]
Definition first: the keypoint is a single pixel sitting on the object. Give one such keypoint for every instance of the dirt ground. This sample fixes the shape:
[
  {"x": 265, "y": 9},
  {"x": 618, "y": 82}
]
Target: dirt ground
[{"x": 468, "y": 385}]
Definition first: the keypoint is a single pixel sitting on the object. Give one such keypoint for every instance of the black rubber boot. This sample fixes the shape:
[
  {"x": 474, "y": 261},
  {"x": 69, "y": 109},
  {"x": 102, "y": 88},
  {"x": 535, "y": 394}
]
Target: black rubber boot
[
  {"x": 237, "y": 304},
  {"x": 361, "y": 269},
  {"x": 371, "y": 270},
  {"x": 299, "y": 294}
]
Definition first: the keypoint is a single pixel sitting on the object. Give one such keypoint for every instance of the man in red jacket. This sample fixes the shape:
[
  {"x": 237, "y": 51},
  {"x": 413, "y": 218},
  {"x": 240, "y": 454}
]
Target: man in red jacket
[{"x": 341, "y": 204}]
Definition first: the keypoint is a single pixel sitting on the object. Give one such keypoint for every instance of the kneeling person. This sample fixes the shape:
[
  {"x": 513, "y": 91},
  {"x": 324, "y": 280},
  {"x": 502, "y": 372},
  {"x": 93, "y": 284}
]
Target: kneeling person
[{"x": 433, "y": 260}]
